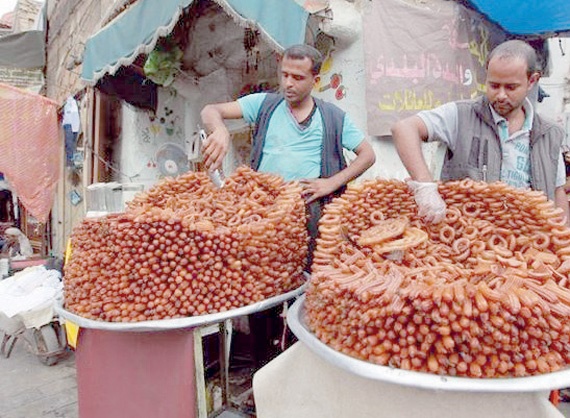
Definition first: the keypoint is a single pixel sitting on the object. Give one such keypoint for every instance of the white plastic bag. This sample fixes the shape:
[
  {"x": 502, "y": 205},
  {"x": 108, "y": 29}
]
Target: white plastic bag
[{"x": 30, "y": 296}]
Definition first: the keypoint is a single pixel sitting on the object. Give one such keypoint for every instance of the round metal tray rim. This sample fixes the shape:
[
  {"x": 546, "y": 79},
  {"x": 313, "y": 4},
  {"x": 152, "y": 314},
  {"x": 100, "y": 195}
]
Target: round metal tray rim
[
  {"x": 179, "y": 323},
  {"x": 538, "y": 383}
]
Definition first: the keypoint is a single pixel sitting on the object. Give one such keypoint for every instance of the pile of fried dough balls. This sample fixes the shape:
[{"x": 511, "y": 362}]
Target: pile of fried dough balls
[
  {"x": 482, "y": 294},
  {"x": 185, "y": 248}
]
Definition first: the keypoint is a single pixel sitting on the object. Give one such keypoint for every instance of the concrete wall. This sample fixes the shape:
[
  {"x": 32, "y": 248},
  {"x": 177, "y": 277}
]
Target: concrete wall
[
  {"x": 23, "y": 18},
  {"x": 26, "y": 15},
  {"x": 557, "y": 84}
]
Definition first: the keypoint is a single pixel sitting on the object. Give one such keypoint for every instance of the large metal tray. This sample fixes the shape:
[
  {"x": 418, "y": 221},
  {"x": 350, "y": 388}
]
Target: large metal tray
[
  {"x": 178, "y": 323},
  {"x": 539, "y": 383}
]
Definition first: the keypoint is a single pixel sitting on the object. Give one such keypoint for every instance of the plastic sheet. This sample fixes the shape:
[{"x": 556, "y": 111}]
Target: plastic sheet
[
  {"x": 539, "y": 383},
  {"x": 31, "y": 148},
  {"x": 28, "y": 299}
]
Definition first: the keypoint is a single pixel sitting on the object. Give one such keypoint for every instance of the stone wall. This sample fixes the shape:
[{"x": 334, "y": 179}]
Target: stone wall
[
  {"x": 71, "y": 23},
  {"x": 29, "y": 79}
]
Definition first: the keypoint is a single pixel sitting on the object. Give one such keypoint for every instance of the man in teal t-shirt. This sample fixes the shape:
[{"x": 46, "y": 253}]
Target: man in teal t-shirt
[
  {"x": 295, "y": 132},
  {"x": 292, "y": 149},
  {"x": 297, "y": 137}
]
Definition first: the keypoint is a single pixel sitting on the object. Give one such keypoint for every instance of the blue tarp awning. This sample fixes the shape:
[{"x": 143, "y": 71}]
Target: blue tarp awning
[
  {"x": 136, "y": 31},
  {"x": 527, "y": 17}
]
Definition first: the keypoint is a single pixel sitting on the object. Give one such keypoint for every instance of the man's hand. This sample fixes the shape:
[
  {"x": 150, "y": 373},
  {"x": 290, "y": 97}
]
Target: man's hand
[
  {"x": 431, "y": 207},
  {"x": 215, "y": 148},
  {"x": 316, "y": 188}
]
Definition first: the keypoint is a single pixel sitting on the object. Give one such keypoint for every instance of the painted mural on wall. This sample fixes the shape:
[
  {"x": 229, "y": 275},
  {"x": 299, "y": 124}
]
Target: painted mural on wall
[
  {"x": 146, "y": 133},
  {"x": 164, "y": 126},
  {"x": 331, "y": 80},
  {"x": 419, "y": 58}
]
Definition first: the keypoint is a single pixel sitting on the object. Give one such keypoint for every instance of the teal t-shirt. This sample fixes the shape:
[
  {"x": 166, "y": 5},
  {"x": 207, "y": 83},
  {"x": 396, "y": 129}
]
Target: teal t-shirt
[{"x": 291, "y": 150}]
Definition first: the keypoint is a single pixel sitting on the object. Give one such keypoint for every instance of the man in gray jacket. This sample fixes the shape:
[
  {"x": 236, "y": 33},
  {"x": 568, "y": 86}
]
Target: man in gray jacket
[{"x": 495, "y": 137}]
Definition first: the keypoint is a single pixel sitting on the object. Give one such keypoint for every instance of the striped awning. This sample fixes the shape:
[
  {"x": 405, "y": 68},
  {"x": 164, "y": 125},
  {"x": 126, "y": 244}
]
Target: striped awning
[{"x": 137, "y": 30}]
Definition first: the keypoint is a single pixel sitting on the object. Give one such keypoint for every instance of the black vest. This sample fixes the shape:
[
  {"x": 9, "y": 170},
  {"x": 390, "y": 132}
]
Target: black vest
[{"x": 332, "y": 157}]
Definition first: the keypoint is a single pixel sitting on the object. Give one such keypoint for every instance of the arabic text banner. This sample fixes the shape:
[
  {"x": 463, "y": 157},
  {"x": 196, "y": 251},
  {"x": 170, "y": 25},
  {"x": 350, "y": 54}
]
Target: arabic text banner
[{"x": 421, "y": 57}]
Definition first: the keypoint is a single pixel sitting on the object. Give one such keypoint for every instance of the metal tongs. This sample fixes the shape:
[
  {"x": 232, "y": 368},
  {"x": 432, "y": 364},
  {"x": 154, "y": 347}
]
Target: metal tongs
[{"x": 216, "y": 175}]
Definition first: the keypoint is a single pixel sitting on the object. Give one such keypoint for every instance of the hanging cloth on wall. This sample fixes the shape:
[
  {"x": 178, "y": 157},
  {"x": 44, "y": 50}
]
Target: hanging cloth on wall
[
  {"x": 71, "y": 114},
  {"x": 29, "y": 139},
  {"x": 71, "y": 127}
]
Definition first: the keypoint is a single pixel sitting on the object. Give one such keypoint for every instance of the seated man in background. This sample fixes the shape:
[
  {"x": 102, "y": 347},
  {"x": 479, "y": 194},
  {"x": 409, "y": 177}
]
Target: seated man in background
[{"x": 16, "y": 244}]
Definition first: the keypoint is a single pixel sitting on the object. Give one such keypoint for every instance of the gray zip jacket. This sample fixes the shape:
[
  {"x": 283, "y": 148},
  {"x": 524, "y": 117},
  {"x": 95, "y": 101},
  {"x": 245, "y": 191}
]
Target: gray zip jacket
[{"x": 478, "y": 148}]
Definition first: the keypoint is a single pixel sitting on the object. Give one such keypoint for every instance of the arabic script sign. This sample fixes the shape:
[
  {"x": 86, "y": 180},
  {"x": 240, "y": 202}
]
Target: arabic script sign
[{"x": 419, "y": 58}]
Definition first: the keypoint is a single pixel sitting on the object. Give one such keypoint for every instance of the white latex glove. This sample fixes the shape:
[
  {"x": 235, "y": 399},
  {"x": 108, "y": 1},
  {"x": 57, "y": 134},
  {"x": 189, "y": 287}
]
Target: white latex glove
[{"x": 431, "y": 206}]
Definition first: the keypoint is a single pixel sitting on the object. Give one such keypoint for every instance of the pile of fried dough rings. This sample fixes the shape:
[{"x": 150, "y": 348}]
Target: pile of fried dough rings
[
  {"x": 482, "y": 294},
  {"x": 185, "y": 248}
]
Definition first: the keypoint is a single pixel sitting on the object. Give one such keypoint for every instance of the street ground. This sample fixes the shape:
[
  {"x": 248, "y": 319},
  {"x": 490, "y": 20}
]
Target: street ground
[{"x": 30, "y": 389}]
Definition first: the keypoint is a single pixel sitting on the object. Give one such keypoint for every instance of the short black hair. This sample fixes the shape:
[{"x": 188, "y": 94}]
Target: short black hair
[
  {"x": 302, "y": 51},
  {"x": 516, "y": 49}
]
